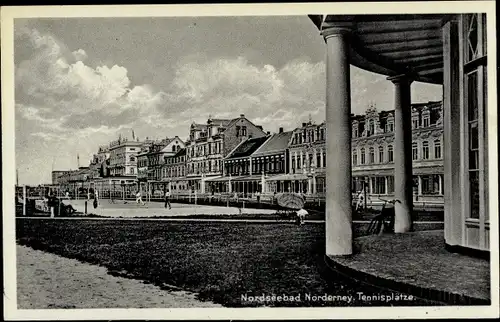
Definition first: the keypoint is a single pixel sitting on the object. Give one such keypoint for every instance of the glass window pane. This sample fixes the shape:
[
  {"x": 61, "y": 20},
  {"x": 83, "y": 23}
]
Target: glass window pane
[
  {"x": 473, "y": 160},
  {"x": 473, "y": 136},
  {"x": 472, "y": 36},
  {"x": 474, "y": 193},
  {"x": 472, "y": 96}
]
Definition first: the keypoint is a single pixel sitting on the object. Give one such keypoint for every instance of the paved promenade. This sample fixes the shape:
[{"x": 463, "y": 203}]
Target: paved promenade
[
  {"x": 131, "y": 209},
  {"x": 48, "y": 281}
]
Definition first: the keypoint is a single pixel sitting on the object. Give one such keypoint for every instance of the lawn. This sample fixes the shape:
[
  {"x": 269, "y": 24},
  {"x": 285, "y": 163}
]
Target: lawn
[{"x": 220, "y": 261}]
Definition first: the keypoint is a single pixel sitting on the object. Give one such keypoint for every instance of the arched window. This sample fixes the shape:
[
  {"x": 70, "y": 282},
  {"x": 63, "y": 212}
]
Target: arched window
[
  {"x": 363, "y": 156},
  {"x": 437, "y": 149},
  {"x": 372, "y": 127},
  {"x": 390, "y": 153},
  {"x": 414, "y": 151},
  {"x": 372, "y": 155},
  {"x": 381, "y": 154},
  {"x": 425, "y": 150},
  {"x": 354, "y": 157}
]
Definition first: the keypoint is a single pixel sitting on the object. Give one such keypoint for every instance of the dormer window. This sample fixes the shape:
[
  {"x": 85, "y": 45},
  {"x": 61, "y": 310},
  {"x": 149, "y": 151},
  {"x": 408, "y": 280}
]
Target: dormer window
[
  {"x": 355, "y": 130},
  {"x": 389, "y": 126},
  {"x": 414, "y": 123},
  {"x": 371, "y": 128}
]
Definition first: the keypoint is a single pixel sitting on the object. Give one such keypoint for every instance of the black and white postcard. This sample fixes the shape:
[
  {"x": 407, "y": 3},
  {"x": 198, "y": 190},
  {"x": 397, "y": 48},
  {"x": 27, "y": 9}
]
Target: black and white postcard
[{"x": 332, "y": 160}]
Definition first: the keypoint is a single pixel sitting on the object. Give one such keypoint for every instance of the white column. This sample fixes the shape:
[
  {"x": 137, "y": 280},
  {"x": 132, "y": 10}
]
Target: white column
[
  {"x": 321, "y": 157},
  {"x": 338, "y": 121},
  {"x": 419, "y": 185},
  {"x": 440, "y": 184},
  {"x": 24, "y": 200},
  {"x": 386, "y": 185},
  {"x": 403, "y": 187},
  {"x": 452, "y": 96}
]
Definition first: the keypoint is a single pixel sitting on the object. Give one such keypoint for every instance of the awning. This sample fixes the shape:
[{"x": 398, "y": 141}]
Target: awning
[
  {"x": 428, "y": 170},
  {"x": 217, "y": 179},
  {"x": 289, "y": 177},
  {"x": 373, "y": 172},
  {"x": 250, "y": 178},
  {"x": 390, "y": 171}
]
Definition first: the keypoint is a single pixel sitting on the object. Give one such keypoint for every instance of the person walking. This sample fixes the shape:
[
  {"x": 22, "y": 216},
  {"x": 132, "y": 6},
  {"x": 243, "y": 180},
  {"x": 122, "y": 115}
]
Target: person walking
[
  {"x": 167, "y": 199},
  {"x": 138, "y": 198}
]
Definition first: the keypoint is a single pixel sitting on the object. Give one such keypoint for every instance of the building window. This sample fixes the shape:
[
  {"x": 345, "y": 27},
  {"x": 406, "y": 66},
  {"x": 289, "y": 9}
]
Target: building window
[
  {"x": 363, "y": 156},
  {"x": 372, "y": 155},
  {"x": 324, "y": 159},
  {"x": 243, "y": 131},
  {"x": 131, "y": 170},
  {"x": 378, "y": 185},
  {"x": 381, "y": 154},
  {"x": 355, "y": 131},
  {"x": 371, "y": 128},
  {"x": 414, "y": 151},
  {"x": 437, "y": 149},
  {"x": 390, "y": 184},
  {"x": 425, "y": 150},
  {"x": 426, "y": 120},
  {"x": 472, "y": 36},
  {"x": 318, "y": 159},
  {"x": 299, "y": 161},
  {"x": 354, "y": 158},
  {"x": 430, "y": 184},
  {"x": 473, "y": 144},
  {"x": 390, "y": 153}
]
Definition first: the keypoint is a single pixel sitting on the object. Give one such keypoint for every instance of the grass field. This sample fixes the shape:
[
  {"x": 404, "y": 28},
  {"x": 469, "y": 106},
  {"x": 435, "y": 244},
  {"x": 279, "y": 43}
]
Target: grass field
[{"x": 220, "y": 261}]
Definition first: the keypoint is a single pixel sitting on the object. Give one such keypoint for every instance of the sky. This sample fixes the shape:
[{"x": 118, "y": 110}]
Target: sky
[{"x": 82, "y": 82}]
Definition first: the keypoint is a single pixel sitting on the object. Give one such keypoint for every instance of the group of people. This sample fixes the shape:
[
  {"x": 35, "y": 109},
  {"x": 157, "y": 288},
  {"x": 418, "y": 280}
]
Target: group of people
[{"x": 167, "y": 195}]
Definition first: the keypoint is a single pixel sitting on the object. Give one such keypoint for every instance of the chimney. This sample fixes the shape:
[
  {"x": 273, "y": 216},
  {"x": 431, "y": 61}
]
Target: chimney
[
  {"x": 242, "y": 115},
  {"x": 304, "y": 124},
  {"x": 260, "y": 127},
  {"x": 281, "y": 130},
  {"x": 268, "y": 133}
]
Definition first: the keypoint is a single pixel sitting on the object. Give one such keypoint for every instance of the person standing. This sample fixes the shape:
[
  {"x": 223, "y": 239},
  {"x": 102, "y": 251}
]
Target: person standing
[
  {"x": 96, "y": 199},
  {"x": 301, "y": 215},
  {"x": 51, "y": 203},
  {"x": 361, "y": 200},
  {"x": 167, "y": 199}
]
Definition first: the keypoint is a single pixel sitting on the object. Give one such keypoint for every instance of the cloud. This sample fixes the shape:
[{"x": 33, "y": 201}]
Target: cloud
[
  {"x": 80, "y": 55},
  {"x": 56, "y": 81},
  {"x": 229, "y": 87},
  {"x": 67, "y": 106}
]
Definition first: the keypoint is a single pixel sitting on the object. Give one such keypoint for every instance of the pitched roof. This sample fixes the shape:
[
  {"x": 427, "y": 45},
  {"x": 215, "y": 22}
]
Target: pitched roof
[
  {"x": 246, "y": 148},
  {"x": 278, "y": 142},
  {"x": 198, "y": 126},
  {"x": 180, "y": 152},
  {"x": 222, "y": 122}
]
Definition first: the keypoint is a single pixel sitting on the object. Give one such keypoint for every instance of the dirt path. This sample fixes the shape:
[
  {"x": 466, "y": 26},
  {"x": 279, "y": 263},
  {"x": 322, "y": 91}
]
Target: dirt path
[{"x": 48, "y": 281}]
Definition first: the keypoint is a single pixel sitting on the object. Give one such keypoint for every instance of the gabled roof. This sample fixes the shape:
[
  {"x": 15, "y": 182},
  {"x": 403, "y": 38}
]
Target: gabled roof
[
  {"x": 220, "y": 122},
  {"x": 246, "y": 148},
  {"x": 277, "y": 143},
  {"x": 181, "y": 152},
  {"x": 198, "y": 126}
]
